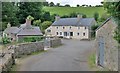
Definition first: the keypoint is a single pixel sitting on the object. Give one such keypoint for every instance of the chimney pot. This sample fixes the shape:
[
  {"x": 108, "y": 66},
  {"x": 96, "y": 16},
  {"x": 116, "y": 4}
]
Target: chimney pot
[
  {"x": 57, "y": 18},
  {"x": 79, "y": 16}
]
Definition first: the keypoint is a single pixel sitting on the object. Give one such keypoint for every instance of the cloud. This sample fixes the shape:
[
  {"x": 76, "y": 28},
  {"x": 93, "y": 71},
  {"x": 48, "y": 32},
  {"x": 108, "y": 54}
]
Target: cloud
[{"x": 75, "y": 2}]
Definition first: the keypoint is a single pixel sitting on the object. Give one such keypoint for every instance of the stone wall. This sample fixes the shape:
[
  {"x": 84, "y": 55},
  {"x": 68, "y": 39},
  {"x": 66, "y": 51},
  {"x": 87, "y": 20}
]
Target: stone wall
[
  {"x": 27, "y": 48},
  {"x": 110, "y": 45},
  {"x": 55, "y": 42},
  {"x": 6, "y": 61},
  {"x": 52, "y": 42}
]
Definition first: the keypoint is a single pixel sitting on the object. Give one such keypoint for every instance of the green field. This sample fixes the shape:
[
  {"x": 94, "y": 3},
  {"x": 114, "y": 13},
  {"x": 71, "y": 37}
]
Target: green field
[{"x": 89, "y": 11}]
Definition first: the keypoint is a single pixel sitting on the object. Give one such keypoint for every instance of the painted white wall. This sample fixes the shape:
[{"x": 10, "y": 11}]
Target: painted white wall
[{"x": 74, "y": 29}]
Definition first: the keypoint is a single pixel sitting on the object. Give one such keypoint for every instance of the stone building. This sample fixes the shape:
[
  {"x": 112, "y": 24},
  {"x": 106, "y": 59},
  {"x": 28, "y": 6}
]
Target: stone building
[
  {"x": 25, "y": 30},
  {"x": 106, "y": 46},
  {"x": 76, "y": 28}
]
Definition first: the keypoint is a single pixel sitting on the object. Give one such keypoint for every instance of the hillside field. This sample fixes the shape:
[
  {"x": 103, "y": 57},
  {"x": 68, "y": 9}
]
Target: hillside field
[{"x": 89, "y": 11}]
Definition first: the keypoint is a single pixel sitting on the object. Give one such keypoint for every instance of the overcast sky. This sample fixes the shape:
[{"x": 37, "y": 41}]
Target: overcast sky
[{"x": 75, "y": 2}]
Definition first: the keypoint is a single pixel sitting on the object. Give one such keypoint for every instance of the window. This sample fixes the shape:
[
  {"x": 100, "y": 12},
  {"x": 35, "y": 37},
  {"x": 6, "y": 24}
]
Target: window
[
  {"x": 71, "y": 33},
  {"x": 57, "y": 33},
  {"x": 85, "y": 27},
  {"x": 78, "y": 27},
  {"x": 83, "y": 34},
  {"x": 48, "y": 30},
  {"x": 60, "y": 33},
  {"x": 78, "y": 34},
  {"x": 63, "y": 27},
  {"x": 70, "y": 27},
  {"x": 57, "y": 27}
]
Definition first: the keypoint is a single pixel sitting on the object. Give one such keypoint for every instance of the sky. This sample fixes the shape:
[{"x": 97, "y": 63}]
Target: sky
[{"x": 73, "y": 3}]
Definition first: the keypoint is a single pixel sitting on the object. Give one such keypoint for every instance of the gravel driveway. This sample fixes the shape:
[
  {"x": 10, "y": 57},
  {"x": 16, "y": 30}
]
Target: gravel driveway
[{"x": 72, "y": 56}]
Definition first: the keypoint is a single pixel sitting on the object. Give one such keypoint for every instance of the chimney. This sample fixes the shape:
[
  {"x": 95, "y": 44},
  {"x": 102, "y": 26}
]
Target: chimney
[
  {"x": 57, "y": 18},
  {"x": 79, "y": 16},
  {"x": 28, "y": 21},
  {"x": 8, "y": 25}
]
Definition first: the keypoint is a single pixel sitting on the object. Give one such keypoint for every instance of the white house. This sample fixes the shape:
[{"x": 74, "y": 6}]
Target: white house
[{"x": 76, "y": 28}]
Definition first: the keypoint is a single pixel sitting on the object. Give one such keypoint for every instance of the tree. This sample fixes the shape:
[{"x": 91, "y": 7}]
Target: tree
[
  {"x": 46, "y": 16},
  {"x": 9, "y": 10},
  {"x": 45, "y": 4},
  {"x": 51, "y": 4},
  {"x": 96, "y": 15},
  {"x": 84, "y": 15},
  {"x": 73, "y": 14},
  {"x": 45, "y": 25},
  {"x": 78, "y": 5},
  {"x": 113, "y": 8},
  {"x": 67, "y": 5},
  {"x": 37, "y": 23},
  {"x": 29, "y": 8},
  {"x": 58, "y": 4}
]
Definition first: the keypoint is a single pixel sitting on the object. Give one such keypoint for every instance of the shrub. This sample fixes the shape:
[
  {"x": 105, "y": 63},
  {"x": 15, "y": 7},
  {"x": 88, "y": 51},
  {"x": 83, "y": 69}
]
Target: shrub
[
  {"x": 33, "y": 39},
  {"x": 5, "y": 40}
]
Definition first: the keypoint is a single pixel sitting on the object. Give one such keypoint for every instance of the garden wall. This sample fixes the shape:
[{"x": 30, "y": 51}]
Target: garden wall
[{"x": 27, "y": 48}]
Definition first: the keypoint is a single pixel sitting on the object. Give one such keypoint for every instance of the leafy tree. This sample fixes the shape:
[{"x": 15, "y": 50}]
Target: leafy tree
[
  {"x": 84, "y": 16},
  {"x": 73, "y": 14},
  {"x": 37, "y": 23},
  {"x": 58, "y": 4},
  {"x": 78, "y": 5},
  {"x": 45, "y": 25},
  {"x": 29, "y": 8},
  {"x": 113, "y": 8},
  {"x": 67, "y": 5},
  {"x": 96, "y": 15},
  {"x": 9, "y": 10},
  {"x": 45, "y": 4},
  {"x": 51, "y": 4},
  {"x": 46, "y": 16}
]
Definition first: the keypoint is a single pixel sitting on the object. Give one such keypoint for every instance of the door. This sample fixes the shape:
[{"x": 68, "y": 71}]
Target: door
[{"x": 101, "y": 51}]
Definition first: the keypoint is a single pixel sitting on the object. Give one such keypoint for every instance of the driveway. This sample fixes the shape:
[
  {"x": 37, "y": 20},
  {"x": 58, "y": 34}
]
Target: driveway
[{"x": 71, "y": 56}]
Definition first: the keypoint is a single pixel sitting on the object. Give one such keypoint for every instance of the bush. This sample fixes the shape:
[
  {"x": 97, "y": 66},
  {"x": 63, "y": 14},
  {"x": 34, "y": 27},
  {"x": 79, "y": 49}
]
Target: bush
[
  {"x": 5, "y": 40},
  {"x": 33, "y": 39}
]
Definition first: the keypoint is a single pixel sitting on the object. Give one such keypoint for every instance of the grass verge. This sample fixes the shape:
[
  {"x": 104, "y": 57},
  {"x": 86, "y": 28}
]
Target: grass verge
[{"x": 91, "y": 61}]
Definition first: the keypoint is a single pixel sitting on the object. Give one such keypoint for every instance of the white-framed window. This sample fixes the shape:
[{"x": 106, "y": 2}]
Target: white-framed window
[
  {"x": 60, "y": 33},
  {"x": 70, "y": 27},
  {"x": 85, "y": 27},
  {"x": 57, "y": 27}
]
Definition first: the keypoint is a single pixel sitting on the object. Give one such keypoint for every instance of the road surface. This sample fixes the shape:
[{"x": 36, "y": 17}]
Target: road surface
[{"x": 71, "y": 56}]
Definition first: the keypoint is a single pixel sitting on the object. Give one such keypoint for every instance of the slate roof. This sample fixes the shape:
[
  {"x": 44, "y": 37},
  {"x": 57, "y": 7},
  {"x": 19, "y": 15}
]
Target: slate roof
[
  {"x": 31, "y": 31},
  {"x": 73, "y": 22},
  {"x": 23, "y": 30},
  {"x": 13, "y": 30}
]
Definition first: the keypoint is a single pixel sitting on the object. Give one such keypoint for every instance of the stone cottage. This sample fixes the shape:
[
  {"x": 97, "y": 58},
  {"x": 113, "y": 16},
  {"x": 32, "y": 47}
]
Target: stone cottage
[
  {"x": 25, "y": 30},
  {"x": 76, "y": 28},
  {"x": 106, "y": 45}
]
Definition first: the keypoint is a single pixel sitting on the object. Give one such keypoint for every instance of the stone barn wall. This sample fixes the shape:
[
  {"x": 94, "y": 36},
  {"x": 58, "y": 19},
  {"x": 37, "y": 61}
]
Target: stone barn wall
[{"x": 111, "y": 45}]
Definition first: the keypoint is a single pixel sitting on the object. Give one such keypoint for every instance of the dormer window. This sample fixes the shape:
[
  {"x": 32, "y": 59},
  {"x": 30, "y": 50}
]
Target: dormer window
[{"x": 70, "y": 27}]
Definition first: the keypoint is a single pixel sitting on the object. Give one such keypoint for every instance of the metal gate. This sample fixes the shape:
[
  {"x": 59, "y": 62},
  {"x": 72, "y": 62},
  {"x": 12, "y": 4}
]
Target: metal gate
[{"x": 101, "y": 51}]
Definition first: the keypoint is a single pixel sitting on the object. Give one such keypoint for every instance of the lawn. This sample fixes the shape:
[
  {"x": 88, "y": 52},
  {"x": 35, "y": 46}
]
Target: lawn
[{"x": 89, "y": 11}]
